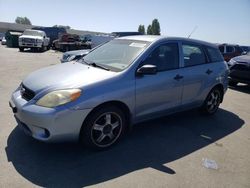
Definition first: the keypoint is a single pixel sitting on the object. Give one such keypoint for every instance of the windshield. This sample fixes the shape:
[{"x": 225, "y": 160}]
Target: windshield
[
  {"x": 33, "y": 33},
  {"x": 117, "y": 54}
]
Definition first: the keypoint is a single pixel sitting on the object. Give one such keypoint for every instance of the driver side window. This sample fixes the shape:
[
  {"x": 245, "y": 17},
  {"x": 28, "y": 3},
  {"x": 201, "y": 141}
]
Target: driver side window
[{"x": 165, "y": 57}]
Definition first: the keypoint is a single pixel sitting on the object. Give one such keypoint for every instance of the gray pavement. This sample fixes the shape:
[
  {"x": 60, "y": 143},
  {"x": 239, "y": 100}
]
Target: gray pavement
[{"x": 165, "y": 152}]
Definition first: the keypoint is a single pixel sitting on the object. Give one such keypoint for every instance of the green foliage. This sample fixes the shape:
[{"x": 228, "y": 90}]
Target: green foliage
[
  {"x": 156, "y": 30},
  {"x": 152, "y": 29},
  {"x": 141, "y": 29},
  {"x": 23, "y": 20},
  {"x": 149, "y": 30}
]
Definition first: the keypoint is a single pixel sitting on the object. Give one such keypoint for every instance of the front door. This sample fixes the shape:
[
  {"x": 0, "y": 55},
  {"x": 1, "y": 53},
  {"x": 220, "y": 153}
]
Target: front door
[{"x": 161, "y": 91}]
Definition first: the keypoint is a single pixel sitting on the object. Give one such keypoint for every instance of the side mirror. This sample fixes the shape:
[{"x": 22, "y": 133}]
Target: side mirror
[{"x": 147, "y": 70}]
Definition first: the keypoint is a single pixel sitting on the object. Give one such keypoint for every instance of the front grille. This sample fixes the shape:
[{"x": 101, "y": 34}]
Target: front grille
[
  {"x": 28, "y": 40},
  {"x": 26, "y": 93}
]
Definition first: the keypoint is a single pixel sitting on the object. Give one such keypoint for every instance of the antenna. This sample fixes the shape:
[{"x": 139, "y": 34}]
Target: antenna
[{"x": 192, "y": 31}]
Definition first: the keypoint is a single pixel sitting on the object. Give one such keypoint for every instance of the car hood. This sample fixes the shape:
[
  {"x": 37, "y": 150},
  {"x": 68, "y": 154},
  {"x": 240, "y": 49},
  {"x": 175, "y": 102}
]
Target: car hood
[
  {"x": 31, "y": 37},
  {"x": 62, "y": 76},
  {"x": 242, "y": 58}
]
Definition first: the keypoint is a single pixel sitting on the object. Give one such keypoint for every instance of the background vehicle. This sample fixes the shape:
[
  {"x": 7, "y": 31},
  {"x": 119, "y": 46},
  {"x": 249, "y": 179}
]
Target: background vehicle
[
  {"x": 239, "y": 70},
  {"x": 1, "y": 36},
  {"x": 245, "y": 48},
  {"x": 3, "y": 41},
  {"x": 229, "y": 51},
  {"x": 73, "y": 55},
  {"x": 96, "y": 40},
  {"x": 52, "y": 32},
  {"x": 68, "y": 42},
  {"x": 123, "y": 82},
  {"x": 33, "y": 39}
]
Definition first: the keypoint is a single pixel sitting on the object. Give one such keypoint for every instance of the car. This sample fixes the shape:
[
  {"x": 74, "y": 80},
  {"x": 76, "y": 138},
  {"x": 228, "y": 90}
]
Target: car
[
  {"x": 3, "y": 42},
  {"x": 52, "y": 32},
  {"x": 245, "y": 49},
  {"x": 239, "y": 70},
  {"x": 73, "y": 55},
  {"x": 230, "y": 50},
  {"x": 33, "y": 39},
  {"x": 128, "y": 80}
]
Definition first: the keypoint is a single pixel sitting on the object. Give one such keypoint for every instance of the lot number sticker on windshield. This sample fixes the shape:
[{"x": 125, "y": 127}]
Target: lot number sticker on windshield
[{"x": 137, "y": 45}]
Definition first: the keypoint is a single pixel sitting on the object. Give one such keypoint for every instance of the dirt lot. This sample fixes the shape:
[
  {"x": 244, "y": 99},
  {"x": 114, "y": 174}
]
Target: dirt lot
[{"x": 166, "y": 152}]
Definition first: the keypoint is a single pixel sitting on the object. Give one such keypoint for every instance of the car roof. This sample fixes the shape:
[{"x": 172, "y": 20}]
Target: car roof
[{"x": 153, "y": 38}]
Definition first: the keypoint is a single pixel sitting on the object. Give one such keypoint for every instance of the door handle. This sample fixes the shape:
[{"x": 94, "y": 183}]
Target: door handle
[
  {"x": 209, "y": 71},
  {"x": 178, "y": 77}
]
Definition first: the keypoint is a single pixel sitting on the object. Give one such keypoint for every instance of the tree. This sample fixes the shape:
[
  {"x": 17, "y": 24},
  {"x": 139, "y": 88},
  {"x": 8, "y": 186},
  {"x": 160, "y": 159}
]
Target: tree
[
  {"x": 141, "y": 29},
  {"x": 149, "y": 30},
  {"x": 156, "y": 30},
  {"x": 23, "y": 20}
]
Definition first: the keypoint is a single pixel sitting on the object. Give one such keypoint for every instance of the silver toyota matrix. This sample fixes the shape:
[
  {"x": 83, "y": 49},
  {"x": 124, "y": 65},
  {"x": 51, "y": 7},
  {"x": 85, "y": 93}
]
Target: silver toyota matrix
[{"x": 123, "y": 82}]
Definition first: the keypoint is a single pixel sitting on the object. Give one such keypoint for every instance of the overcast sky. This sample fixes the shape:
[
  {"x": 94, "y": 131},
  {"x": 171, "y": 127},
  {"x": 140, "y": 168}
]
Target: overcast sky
[{"x": 216, "y": 20}]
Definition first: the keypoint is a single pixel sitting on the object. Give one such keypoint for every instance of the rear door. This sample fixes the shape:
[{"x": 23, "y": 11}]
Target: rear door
[{"x": 195, "y": 72}]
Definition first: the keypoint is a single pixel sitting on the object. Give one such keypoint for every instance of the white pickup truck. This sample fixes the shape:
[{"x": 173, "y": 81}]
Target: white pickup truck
[{"x": 34, "y": 39}]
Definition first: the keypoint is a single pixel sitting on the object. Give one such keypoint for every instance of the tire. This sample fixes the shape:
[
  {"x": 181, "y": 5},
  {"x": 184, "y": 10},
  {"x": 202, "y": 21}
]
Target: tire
[
  {"x": 21, "y": 49},
  {"x": 103, "y": 128},
  {"x": 212, "y": 102},
  {"x": 232, "y": 83}
]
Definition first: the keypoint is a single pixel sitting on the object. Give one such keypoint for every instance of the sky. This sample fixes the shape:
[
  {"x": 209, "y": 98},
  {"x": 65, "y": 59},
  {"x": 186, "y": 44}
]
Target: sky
[{"x": 217, "y": 21}]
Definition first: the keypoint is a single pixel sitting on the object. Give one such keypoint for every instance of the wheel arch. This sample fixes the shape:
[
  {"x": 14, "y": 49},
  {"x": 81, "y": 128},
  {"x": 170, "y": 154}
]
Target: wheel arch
[{"x": 120, "y": 105}]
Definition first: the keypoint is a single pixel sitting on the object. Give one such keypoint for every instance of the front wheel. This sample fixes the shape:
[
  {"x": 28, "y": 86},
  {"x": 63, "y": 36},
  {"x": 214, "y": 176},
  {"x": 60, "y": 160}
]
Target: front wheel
[
  {"x": 103, "y": 128},
  {"x": 212, "y": 102},
  {"x": 21, "y": 49}
]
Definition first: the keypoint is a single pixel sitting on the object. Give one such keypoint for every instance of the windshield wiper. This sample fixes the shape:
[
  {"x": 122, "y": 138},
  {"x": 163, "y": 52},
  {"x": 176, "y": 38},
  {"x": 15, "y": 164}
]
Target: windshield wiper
[{"x": 95, "y": 64}]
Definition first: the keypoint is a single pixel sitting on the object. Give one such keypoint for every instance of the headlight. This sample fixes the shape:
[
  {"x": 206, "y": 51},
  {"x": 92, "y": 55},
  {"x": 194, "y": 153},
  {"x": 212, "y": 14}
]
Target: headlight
[
  {"x": 231, "y": 62},
  {"x": 59, "y": 97}
]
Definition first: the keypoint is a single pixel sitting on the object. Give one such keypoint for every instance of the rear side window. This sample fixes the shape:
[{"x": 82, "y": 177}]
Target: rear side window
[
  {"x": 193, "y": 55},
  {"x": 214, "y": 54}
]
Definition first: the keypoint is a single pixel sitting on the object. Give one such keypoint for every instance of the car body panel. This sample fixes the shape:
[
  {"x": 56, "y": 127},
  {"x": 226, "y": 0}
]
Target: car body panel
[{"x": 146, "y": 96}]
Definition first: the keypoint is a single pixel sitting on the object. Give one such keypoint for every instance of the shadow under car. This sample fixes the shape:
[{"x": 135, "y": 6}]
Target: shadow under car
[{"x": 149, "y": 144}]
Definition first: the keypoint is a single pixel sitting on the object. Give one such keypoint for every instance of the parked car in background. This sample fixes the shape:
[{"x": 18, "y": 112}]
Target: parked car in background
[
  {"x": 52, "y": 32},
  {"x": 69, "y": 42},
  {"x": 1, "y": 36},
  {"x": 33, "y": 39},
  {"x": 96, "y": 40},
  {"x": 123, "y": 82},
  {"x": 239, "y": 70},
  {"x": 3, "y": 42},
  {"x": 229, "y": 51},
  {"x": 73, "y": 55},
  {"x": 245, "y": 49}
]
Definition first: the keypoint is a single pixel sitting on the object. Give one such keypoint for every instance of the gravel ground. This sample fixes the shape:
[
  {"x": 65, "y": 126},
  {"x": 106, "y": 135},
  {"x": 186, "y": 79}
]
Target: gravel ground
[{"x": 166, "y": 152}]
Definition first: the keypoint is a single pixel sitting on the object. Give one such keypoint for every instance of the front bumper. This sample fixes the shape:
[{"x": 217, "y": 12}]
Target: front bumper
[
  {"x": 47, "y": 124},
  {"x": 30, "y": 45}
]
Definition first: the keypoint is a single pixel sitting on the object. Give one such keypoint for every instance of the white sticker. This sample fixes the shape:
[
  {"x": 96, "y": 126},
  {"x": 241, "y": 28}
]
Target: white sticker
[{"x": 137, "y": 45}]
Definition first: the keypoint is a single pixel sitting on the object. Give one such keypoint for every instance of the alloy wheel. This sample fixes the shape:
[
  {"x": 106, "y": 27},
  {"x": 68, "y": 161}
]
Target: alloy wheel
[{"x": 106, "y": 129}]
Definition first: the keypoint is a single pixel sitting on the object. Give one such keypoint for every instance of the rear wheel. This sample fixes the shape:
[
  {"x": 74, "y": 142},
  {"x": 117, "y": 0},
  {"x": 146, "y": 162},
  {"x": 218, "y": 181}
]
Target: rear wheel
[
  {"x": 103, "y": 128},
  {"x": 212, "y": 102}
]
